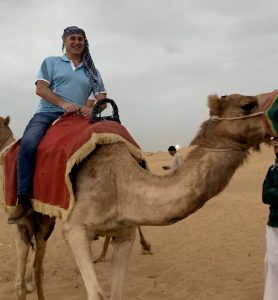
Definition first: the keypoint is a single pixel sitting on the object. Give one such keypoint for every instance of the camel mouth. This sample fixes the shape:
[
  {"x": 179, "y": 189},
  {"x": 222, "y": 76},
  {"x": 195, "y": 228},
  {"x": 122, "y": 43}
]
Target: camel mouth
[
  {"x": 268, "y": 139},
  {"x": 270, "y": 128}
]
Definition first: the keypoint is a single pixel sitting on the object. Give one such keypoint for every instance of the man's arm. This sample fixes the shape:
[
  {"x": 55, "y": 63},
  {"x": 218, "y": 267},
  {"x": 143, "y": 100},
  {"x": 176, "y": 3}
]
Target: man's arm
[
  {"x": 90, "y": 102},
  {"x": 43, "y": 90},
  {"x": 175, "y": 164},
  {"x": 101, "y": 96},
  {"x": 86, "y": 111}
]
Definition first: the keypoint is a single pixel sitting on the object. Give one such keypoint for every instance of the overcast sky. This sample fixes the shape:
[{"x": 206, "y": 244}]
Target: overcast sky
[{"x": 159, "y": 59}]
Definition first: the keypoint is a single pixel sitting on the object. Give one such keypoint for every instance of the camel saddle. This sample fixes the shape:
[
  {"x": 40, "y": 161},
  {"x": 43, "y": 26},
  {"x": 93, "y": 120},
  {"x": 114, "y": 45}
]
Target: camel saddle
[{"x": 70, "y": 140}]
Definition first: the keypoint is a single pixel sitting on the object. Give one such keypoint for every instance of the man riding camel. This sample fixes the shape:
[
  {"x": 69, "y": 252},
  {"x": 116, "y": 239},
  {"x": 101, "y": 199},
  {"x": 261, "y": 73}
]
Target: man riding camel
[{"x": 66, "y": 84}]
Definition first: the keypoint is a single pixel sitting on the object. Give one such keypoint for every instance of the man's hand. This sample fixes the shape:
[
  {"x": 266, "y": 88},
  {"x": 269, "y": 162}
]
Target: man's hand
[
  {"x": 85, "y": 111},
  {"x": 69, "y": 107},
  {"x": 101, "y": 96}
]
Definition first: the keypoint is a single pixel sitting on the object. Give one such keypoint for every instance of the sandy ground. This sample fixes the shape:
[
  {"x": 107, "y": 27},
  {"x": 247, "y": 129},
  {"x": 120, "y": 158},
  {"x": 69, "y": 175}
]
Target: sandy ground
[{"x": 215, "y": 254}]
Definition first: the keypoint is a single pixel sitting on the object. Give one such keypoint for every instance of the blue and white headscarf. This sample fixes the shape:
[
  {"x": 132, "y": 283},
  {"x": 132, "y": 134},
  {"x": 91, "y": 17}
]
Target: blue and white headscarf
[{"x": 86, "y": 59}]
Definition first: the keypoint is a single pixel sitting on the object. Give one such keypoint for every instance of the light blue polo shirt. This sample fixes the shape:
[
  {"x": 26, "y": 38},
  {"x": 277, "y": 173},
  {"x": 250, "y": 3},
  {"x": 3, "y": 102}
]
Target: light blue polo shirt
[{"x": 67, "y": 82}]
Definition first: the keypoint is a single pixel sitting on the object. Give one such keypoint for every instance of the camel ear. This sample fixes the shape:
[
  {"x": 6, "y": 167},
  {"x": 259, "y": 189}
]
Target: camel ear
[
  {"x": 214, "y": 105},
  {"x": 7, "y": 121}
]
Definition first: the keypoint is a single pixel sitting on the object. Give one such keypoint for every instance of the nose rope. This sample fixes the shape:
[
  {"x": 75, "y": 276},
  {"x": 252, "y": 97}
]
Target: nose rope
[{"x": 216, "y": 118}]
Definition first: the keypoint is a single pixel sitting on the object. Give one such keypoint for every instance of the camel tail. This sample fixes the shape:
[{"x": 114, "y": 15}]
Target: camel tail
[{"x": 146, "y": 247}]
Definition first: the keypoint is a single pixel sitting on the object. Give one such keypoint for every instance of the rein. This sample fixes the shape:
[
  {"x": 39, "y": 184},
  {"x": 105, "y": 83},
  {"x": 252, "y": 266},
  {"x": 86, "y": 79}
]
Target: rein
[{"x": 216, "y": 118}]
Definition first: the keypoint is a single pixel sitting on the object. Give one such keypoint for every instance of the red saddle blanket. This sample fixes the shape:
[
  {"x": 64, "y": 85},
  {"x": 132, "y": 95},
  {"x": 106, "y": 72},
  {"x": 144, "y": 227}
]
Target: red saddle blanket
[{"x": 65, "y": 144}]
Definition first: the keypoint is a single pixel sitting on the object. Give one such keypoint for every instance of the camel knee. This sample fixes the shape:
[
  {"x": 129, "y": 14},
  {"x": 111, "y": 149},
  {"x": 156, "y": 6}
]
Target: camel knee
[
  {"x": 75, "y": 235},
  {"x": 26, "y": 233}
]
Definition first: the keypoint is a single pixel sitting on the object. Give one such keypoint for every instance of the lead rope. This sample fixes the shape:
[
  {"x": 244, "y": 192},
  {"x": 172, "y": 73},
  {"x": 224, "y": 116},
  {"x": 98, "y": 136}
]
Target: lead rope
[{"x": 221, "y": 149}]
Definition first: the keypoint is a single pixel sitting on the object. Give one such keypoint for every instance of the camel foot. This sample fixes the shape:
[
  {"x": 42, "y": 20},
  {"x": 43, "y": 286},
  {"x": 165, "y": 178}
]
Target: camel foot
[
  {"x": 99, "y": 259},
  {"x": 29, "y": 288},
  {"x": 146, "y": 248},
  {"x": 21, "y": 295},
  {"x": 146, "y": 252}
]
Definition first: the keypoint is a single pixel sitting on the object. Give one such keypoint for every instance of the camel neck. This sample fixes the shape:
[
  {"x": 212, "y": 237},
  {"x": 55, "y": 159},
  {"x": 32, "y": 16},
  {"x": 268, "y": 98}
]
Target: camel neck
[{"x": 158, "y": 200}]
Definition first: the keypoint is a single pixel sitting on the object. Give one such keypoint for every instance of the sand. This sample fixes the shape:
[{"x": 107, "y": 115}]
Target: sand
[{"x": 215, "y": 254}]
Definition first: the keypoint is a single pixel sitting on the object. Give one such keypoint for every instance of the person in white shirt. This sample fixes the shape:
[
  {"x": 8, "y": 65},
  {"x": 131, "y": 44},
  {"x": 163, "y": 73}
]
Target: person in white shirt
[{"x": 177, "y": 162}]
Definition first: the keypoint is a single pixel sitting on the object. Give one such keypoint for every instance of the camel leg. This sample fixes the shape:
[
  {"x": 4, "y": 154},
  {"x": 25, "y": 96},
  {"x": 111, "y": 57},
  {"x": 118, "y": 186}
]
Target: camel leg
[
  {"x": 38, "y": 267},
  {"x": 44, "y": 228},
  {"x": 146, "y": 247},
  {"x": 104, "y": 250},
  {"x": 22, "y": 250},
  {"x": 80, "y": 245},
  {"x": 121, "y": 251},
  {"x": 24, "y": 233},
  {"x": 29, "y": 271}
]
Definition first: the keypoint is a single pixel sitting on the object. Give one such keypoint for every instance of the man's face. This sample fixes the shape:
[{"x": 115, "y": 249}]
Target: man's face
[
  {"x": 74, "y": 44},
  {"x": 172, "y": 152}
]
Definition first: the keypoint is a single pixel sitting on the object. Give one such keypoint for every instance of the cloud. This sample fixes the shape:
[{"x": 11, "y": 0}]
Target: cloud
[{"x": 159, "y": 59}]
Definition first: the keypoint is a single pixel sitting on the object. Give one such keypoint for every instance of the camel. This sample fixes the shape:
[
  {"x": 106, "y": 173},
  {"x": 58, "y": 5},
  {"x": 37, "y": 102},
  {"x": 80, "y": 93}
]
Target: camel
[
  {"x": 136, "y": 197},
  {"x": 6, "y": 138}
]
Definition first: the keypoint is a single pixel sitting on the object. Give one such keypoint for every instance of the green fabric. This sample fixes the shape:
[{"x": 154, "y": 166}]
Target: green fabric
[
  {"x": 272, "y": 115},
  {"x": 270, "y": 195}
]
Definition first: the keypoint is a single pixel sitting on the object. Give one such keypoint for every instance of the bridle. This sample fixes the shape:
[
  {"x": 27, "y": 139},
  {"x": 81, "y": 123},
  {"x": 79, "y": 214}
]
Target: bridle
[{"x": 216, "y": 118}]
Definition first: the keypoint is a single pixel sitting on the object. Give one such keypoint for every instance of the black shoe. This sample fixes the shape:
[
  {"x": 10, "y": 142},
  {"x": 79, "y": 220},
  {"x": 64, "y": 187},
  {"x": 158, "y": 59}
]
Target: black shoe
[{"x": 20, "y": 211}]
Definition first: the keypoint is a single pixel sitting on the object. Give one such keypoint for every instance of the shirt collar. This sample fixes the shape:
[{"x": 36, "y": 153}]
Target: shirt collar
[{"x": 65, "y": 58}]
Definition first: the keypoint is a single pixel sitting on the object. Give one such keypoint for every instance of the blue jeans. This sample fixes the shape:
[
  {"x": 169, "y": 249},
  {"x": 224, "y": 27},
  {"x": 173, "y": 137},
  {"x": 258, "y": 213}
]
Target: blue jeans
[{"x": 26, "y": 159}]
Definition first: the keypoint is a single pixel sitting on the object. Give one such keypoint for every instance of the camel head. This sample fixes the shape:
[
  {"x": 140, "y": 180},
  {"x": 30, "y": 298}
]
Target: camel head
[
  {"x": 235, "y": 123},
  {"x": 5, "y": 131},
  {"x": 4, "y": 122}
]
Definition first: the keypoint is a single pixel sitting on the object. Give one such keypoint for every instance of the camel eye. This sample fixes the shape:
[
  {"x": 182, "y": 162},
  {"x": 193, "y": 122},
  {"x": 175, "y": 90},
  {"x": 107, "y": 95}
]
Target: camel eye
[{"x": 248, "y": 107}]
